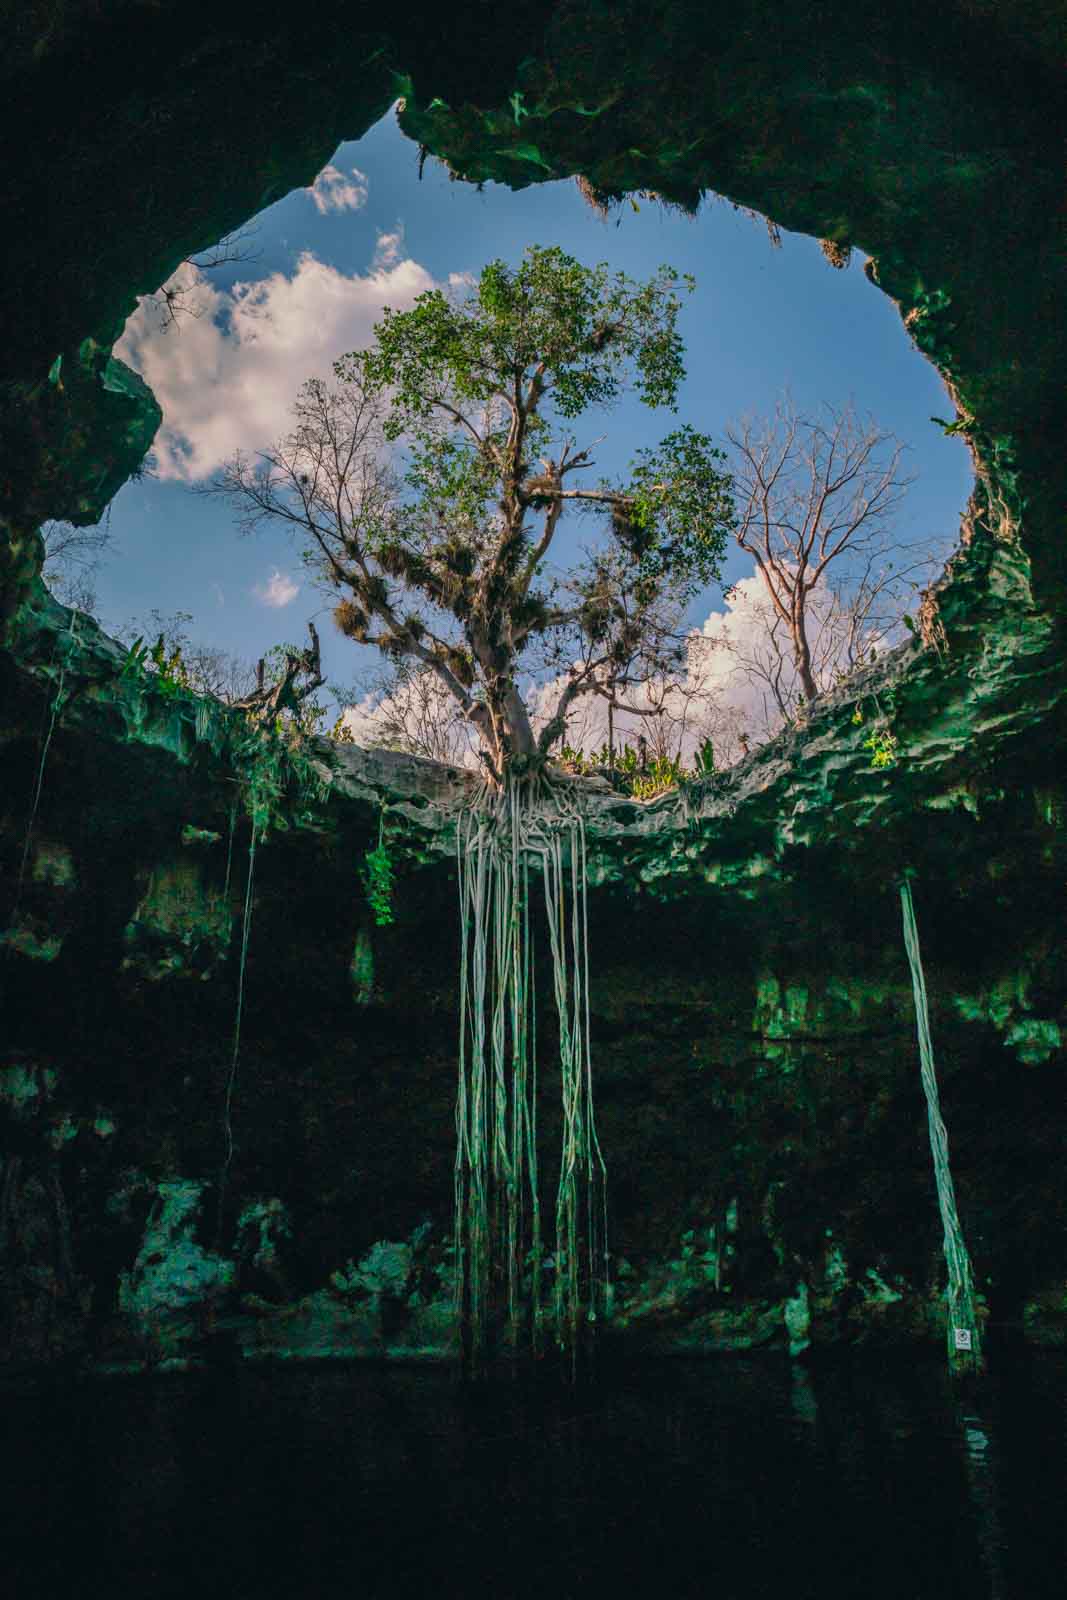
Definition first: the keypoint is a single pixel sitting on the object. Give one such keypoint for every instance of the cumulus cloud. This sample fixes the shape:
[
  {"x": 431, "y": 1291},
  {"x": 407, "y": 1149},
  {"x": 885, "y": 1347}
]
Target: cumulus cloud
[
  {"x": 387, "y": 250},
  {"x": 279, "y": 591},
  {"x": 333, "y": 191},
  {"x": 728, "y": 650},
  {"x": 227, "y": 377},
  {"x": 724, "y": 691}
]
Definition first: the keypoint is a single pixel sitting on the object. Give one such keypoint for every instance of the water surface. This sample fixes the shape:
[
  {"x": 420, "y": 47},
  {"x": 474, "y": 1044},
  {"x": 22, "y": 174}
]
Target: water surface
[{"x": 729, "y": 1477}]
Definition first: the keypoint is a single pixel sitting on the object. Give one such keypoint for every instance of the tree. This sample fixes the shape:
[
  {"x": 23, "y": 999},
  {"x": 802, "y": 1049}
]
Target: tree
[
  {"x": 71, "y": 561},
  {"x": 281, "y": 683},
  {"x": 454, "y": 576},
  {"x": 452, "y": 580},
  {"x": 812, "y": 496},
  {"x": 849, "y": 619},
  {"x": 412, "y": 712},
  {"x": 643, "y": 690},
  {"x": 172, "y": 299}
]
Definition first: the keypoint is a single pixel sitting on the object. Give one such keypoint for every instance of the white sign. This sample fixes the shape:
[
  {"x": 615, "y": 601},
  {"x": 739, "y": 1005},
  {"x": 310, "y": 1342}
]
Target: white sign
[{"x": 963, "y": 1338}]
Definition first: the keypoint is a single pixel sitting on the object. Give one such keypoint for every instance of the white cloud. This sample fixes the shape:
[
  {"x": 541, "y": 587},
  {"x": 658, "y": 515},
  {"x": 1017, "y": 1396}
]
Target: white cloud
[
  {"x": 387, "y": 250},
  {"x": 226, "y": 379},
  {"x": 333, "y": 191},
  {"x": 726, "y": 693},
  {"x": 280, "y": 591},
  {"x": 723, "y": 692}
]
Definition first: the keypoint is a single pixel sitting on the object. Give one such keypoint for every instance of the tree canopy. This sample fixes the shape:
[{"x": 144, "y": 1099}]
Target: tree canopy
[{"x": 454, "y": 574}]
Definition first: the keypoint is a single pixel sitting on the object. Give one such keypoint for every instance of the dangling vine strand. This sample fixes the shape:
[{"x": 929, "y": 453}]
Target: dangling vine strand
[{"x": 496, "y": 1102}]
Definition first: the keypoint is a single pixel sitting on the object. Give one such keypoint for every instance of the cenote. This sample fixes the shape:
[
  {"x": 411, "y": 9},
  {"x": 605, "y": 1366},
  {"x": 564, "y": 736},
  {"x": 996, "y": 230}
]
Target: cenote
[{"x": 422, "y": 1178}]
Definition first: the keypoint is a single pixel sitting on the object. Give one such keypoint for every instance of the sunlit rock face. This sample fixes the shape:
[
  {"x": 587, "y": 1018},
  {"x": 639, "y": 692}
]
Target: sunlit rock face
[{"x": 753, "y": 1041}]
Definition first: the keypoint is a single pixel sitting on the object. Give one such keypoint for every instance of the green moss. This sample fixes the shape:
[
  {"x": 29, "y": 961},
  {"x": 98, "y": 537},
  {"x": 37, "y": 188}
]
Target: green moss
[
  {"x": 261, "y": 1227},
  {"x": 836, "y": 1269},
  {"x": 62, "y": 1132},
  {"x": 1034, "y": 1040},
  {"x": 29, "y": 941},
  {"x": 24, "y": 1088},
  {"x": 797, "y": 1317},
  {"x": 182, "y": 923},
  {"x": 385, "y": 1269},
  {"x": 172, "y": 1272},
  {"x": 54, "y": 864},
  {"x": 191, "y": 835},
  {"x": 361, "y": 968},
  {"x": 876, "y": 1291}
]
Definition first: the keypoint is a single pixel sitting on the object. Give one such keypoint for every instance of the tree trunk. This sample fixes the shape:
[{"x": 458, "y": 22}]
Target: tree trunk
[
  {"x": 802, "y": 657},
  {"x": 505, "y": 730},
  {"x": 517, "y": 719}
]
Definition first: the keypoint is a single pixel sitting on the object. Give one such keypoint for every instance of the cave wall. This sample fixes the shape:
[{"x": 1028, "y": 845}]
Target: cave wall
[
  {"x": 757, "y": 1082},
  {"x": 760, "y": 1078}
]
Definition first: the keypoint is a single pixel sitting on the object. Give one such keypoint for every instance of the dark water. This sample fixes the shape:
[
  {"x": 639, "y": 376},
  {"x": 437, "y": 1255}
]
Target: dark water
[{"x": 730, "y": 1478}]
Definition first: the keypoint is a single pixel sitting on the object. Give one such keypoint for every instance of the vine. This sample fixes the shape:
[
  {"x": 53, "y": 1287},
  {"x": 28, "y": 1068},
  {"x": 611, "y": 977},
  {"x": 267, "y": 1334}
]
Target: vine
[{"x": 378, "y": 878}]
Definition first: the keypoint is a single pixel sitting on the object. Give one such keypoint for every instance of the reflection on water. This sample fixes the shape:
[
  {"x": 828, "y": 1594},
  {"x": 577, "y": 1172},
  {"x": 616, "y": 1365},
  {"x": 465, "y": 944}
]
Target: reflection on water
[{"x": 728, "y": 1478}]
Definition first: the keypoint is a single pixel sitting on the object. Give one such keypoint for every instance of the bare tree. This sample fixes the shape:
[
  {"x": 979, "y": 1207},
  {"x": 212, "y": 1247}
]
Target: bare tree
[
  {"x": 219, "y": 672},
  {"x": 726, "y": 727},
  {"x": 71, "y": 561},
  {"x": 809, "y": 494},
  {"x": 172, "y": 300},
  {"x": 673, "y": 699},
  {"x": 301, "y": 675},
  {"x": 849, "y": 620},
  {"x": 637, "y": 676},
  {"x": 414, "y": 712}
]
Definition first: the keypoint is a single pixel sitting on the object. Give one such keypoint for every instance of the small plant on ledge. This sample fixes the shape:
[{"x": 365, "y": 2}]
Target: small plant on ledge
[
  {"x": 883, "y": 747},
  {"x": 378, "y": 879}
]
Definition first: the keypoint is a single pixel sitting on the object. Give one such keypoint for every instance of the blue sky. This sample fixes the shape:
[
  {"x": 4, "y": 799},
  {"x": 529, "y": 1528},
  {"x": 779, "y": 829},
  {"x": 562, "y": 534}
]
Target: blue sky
[{"x": 371, "y": 234}]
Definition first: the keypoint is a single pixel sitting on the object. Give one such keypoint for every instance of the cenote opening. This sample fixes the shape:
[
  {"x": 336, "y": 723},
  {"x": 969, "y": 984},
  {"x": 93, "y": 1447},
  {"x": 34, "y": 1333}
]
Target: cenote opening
[{"x": 582, "y": 1108}]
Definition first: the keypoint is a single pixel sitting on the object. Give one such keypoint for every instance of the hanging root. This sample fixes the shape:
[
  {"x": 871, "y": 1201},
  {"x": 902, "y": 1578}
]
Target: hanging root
[
  {"x": 246, "y": 927},
  {"x": 57, "y": 706},
  {"x": 496, "y": 1101},
  {"x": 962, "y": 1319}
]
